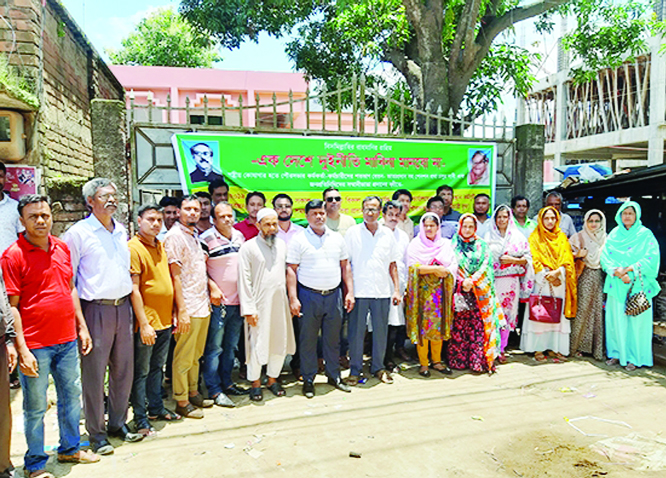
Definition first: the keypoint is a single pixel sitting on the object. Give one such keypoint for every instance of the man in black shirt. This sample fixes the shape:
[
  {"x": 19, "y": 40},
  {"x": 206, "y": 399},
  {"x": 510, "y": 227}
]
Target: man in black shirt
[{"x": 202, "y": 154}]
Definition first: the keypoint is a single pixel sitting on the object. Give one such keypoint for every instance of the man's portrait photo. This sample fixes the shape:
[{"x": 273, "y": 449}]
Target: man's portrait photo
[
  {"x": 478, "y": 167},
  {"x": 203, "y": 157}
]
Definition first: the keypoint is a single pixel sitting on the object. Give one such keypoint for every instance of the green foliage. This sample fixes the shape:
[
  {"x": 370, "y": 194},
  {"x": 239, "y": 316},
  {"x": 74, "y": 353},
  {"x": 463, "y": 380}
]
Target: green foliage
[
  {"x": 15, "y": 84},
  {"x": 164, "y": 38},
  {"x": 608, "y": 34},
  {"x": 334, "y": 39}
]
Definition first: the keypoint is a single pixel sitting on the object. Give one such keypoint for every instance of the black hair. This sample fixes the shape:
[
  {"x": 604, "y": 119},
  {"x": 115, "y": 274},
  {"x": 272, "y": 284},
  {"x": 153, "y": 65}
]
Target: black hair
[
  {"x": 444, "y": 187},
  {"x": 482, "y": 195},
  {"x": 323, "y": 195},
  {"x": 370, "y": 198},
  {"x": 167, "y": 201},
  {"x": 253, "y": 194},
  {"x": 31, "y": 199},
  {"x": 433, "y": 200},
  {"x": 392, "y": 204},
  {"x": 282, "y": 196},
  {"x": 515, "y": 199},
  {"x": 217, "y": 183},
  {"x": 3, "y": 168},
  {"x": 203, "y": 195},
  {"x": 189, "y": 198},
  {"x": 401, "y": 192},
  {"x": 314, "y": 204},
  {"x": 149, "y": 207},
  {"x": 199, "y": 144}
]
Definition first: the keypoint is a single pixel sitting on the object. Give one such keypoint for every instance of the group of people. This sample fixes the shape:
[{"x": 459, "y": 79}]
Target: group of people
[{"x": 195, "y": 290}]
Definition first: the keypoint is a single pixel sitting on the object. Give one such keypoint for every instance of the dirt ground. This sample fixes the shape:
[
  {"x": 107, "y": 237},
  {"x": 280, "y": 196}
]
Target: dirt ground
[{"x": 512, "y": 424}]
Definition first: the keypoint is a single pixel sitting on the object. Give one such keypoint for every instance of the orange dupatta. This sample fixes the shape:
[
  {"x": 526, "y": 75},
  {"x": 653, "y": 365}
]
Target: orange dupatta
[{"x": 551, "y": 250}]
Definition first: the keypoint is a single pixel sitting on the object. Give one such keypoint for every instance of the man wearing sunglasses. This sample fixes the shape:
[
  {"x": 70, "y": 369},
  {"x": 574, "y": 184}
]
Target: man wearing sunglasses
[{"x": 335, "y": 220}]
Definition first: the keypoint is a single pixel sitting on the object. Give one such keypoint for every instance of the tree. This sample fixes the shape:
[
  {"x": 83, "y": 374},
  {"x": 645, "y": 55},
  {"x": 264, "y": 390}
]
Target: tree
[
  {"x": 164, "y": 38},
  {"x": 455, "y": 55}
]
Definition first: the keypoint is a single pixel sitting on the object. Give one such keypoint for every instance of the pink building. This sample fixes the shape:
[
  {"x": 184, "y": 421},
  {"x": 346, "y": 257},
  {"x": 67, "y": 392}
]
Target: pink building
[{"x": 226, "y": 89}]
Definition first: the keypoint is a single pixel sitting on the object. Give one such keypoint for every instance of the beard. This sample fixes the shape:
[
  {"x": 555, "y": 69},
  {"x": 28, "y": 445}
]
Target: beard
[
  {"x": 285, "y": 218},
  {"x": 270, "y": 239}
]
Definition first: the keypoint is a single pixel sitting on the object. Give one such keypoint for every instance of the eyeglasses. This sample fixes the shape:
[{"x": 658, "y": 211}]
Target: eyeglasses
[
  {"x": 372, "y": 210},
  {"x": 334, "y": 198},
  {"x": 105, "y": 197}
]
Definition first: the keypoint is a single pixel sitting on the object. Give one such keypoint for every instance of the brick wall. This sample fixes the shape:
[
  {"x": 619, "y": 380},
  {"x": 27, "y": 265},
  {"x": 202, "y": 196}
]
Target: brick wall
[{"x": 67, "y": 74}]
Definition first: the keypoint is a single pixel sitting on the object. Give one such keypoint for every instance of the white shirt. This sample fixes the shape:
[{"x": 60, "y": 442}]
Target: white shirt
[
  {"x": 100, "y": 259},
  {"x": 318, "y": 258},
  {"x": 10, "y": 225},
  {"x": 567, "y": 225},
  {"x": 483, "y": 227},
  {"x": 371, "y": 256}
]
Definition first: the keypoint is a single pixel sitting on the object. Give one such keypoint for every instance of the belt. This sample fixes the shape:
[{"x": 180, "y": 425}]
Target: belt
[
  {"x": 320, "y": 292},
  {"x": 114, "y": 302}
]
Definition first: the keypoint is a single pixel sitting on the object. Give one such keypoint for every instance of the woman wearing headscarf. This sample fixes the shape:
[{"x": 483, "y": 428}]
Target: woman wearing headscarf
[
  {"x": 587, "y": 329},
  {"x": 555, "y": 276},
  {"x": 512, "y": 268},
  {"x": 428, "y": 309},
  {"x": 630, "y": 259},
  {"x": 477, "y": 316}
]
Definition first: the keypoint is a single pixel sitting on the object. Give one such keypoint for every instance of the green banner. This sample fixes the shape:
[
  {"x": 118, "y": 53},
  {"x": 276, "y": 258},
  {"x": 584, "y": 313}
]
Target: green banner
[{"x": 304, "y": 166}]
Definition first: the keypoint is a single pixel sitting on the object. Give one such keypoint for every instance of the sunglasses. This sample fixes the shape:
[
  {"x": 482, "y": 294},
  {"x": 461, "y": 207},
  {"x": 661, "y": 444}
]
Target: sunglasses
[{"x": 334, "y": 198}]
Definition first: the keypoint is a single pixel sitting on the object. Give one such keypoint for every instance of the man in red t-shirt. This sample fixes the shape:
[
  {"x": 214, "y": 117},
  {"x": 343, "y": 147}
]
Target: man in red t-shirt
[
  {"x": 39, "y": 280},
  {"x": 254, "y": 201}
]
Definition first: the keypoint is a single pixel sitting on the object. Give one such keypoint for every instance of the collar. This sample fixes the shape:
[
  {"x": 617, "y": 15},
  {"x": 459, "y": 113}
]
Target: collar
[
  {"x": 185, "y": 229},
  {"x": 27, "y": 245},
  {"x": 155, "y": 245},
  {"x": 96, "y": 224},
  {"x": 379, "y": 227},
  {"x": 291, "y": 224},
  {"x": 235, "y": 233},
  {"x": 327, "y": 231}
]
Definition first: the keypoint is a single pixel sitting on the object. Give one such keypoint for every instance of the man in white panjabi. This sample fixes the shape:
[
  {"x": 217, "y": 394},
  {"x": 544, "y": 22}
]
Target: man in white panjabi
[{"x": 262, "y": 287}]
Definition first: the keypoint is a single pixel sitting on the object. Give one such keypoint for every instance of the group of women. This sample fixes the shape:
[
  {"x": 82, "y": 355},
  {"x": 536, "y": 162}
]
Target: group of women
[{"x": 467, "y": 291}]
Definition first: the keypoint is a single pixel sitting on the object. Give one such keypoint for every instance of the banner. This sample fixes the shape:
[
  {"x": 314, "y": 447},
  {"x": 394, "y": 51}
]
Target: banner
[
  {"x": 21, "y": 180},
  {"x": 304, "y": 166}
]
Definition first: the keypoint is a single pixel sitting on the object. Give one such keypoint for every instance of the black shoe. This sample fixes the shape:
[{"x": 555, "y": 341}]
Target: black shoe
[
  {"x": 446, "y": 370},
  {"x": 424, "y": 373},
  {"x": 339, "y": 384},
  {"x": 102, "y": 448},
  {"x": 237, "y": 391},
  {"x": 126, "y": 435},
  {"x": 308, "y": 389}
]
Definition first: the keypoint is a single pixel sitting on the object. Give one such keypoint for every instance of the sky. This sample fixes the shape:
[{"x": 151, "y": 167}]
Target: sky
[{"x": 106, "y": 23}]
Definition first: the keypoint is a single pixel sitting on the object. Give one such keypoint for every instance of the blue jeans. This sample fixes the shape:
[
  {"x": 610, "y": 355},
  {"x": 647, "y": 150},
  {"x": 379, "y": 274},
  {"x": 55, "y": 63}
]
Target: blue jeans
[
  {"x": 221, "y": 344},
  {"x": 148, "y": 363},
  {"x": 62, "y": 362}
]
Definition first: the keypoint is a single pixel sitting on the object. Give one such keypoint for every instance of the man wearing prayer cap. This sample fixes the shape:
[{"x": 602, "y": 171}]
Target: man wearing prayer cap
[{"x": 262, "y": 288}]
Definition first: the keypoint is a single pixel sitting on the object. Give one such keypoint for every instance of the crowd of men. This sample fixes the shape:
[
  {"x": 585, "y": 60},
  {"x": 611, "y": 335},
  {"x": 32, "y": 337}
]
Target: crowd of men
[{"x": 193, "y": 292}]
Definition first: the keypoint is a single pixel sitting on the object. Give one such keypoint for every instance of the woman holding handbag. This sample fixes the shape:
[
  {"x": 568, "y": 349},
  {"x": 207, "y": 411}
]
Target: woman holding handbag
[
  {"x": 554, "y": 297},
  {"x": 630, "y": 259},
  {"x": 477, "y": 317},
  {"x": 587, "y": 329},
  {"x": 428, "y": 309},
  {"x": 512, "y": 268}
]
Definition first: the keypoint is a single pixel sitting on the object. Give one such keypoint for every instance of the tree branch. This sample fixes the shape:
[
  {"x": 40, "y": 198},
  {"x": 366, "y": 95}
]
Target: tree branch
[{"x": 456, "y": 48}]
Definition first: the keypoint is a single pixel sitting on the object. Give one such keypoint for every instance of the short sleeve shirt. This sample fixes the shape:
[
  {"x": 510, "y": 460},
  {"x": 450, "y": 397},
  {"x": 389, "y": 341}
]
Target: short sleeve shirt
[
  {"x": 183, "y": 248},
  {"x": 341, "y": 225},
  {"x": 149, "y": 262},
  {"x": 371, "y": 256},
  {"x": 248, "y": 230},
  {"x": 222, "y": 262},
  {"x": 42, "y": 280},
  {"x": 294, "y": 230},
  {"x": 318, "y": 258}
]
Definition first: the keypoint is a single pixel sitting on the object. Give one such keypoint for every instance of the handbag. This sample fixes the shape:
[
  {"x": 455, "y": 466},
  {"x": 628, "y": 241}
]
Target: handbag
[
  {"x": 546, "y": 309},
  {"x": 636, "y": 303},
  {"x": 461, "y": 300}
]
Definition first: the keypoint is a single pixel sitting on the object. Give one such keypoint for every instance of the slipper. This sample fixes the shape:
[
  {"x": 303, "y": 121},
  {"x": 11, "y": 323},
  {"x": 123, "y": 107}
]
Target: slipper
[
  {"x": 277, "y": 389},
  {"x": 81, "y": 457},
  {"x": 256, "y": 395},
  {"x": 612, "y": 361},
  {"x": 630, "y": 367},
  {"x": 165, "y": 415},
  {"x": 40, "y": 474},
  {"x": 540, "y": 357}
]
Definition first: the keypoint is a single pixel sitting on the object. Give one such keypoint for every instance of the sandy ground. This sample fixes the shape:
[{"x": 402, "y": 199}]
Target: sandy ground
[{"x": 513, "y": 424}]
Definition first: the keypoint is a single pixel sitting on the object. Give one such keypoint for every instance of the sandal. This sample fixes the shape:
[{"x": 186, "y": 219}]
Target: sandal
[
  {"x": 190, "y": 411},
  {"x": 165, "y": 415},
  {"x": 540, "y": 357},
  {"x": 557, "y": 357},
  {"x": 442, "y": 368},
  {"x": 612, "y": 361},
  {"x": 424, "y": 372},
  {"x": 144, "y": 428},
  {"x": 277, "y": 389},
  {"x": 352, "y": 380},
  {"x": 502, "y": 359},
  {"x": 630, "y": 367},
  {"x": 81, "y": 457},
  {"x": 40, "y": 474},
  {"x": 256, "y": 395}
]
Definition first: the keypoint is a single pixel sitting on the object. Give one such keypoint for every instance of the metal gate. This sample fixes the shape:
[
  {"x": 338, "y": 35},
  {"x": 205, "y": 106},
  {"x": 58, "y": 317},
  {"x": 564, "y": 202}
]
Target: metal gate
[{"x": 354, "y": 111}]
